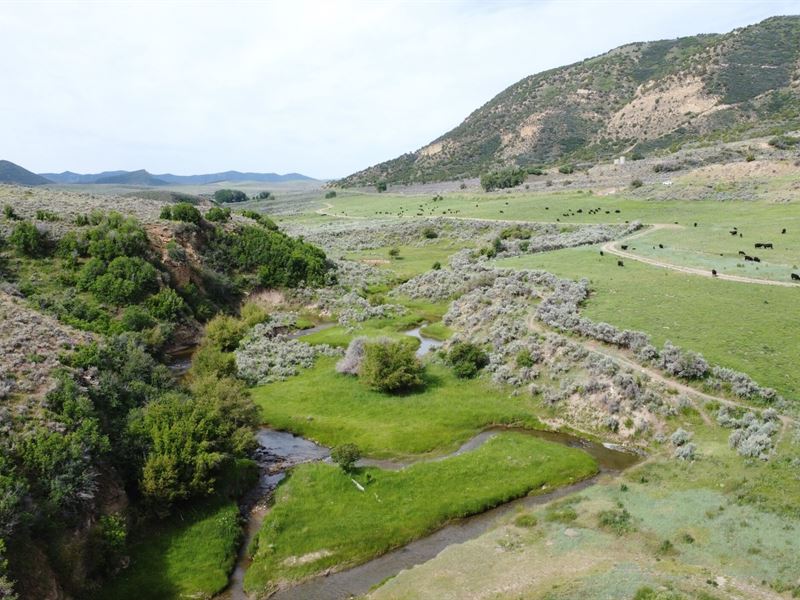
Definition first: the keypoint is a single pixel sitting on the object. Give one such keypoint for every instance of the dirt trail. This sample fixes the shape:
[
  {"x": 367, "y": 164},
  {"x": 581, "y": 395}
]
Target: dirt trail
[
  {"x": 324, "y": 212},
  {"x": 611, "y": 248}
]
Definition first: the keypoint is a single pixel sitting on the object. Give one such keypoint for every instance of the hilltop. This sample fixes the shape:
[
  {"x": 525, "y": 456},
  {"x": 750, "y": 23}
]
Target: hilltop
[
  {"x": 143, "y": 177},
  {"x": 638, "y": 99},
  {"x": 11, "y": 173}
]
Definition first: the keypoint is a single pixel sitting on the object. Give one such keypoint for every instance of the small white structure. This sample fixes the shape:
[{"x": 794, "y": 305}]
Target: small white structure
[{"x": 619, "y": 161}]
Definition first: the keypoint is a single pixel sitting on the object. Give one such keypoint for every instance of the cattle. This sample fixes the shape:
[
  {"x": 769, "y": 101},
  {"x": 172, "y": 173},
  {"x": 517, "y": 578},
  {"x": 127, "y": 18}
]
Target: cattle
[
  {"x": 713, "y": 272},
  {"x": 602, "y": 253},
  {"x": 624, "y": 247},
  {"x": 795, "y": 277},
  {"x": 620, "y": 263},
  {"x": 750, "y": 258},
  {"x": 783, "y": 230},
  {"x": 741, "y": 253},
  {"x": 617, "y": 211},
  {"x": 764, "y": 245},
  {"x": 769, "y": 245},
  {"x": 695, "y": 224},
  {"x": 734, "y": 232},
  {"x": 661, "y": 246},
  {"x": 580, "y": 210},
  {"x": 756, "y": 259}
]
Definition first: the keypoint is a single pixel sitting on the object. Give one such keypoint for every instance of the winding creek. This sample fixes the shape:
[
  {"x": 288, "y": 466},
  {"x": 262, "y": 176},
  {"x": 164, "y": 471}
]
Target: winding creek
[{"x": 279, "y": 451}]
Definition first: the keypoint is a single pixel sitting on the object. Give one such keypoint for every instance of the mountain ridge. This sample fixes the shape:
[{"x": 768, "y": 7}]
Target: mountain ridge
[
  {"x": 13, "y": 173},
  {"x": 642, "y": 96},
  {"x": 169, "y": 178}
]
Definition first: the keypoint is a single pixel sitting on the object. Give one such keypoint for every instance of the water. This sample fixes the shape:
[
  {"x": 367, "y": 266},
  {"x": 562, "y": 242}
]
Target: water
[{"x": 426, "y": 344}]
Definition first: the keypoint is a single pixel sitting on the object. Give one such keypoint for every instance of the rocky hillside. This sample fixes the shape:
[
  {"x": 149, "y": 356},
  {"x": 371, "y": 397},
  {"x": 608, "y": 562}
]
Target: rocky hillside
[{"x": 636, "y": 99}]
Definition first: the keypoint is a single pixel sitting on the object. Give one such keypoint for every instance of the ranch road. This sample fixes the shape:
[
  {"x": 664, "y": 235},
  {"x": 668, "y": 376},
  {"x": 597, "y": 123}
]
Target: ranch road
[{"x": 611, "y": 248}]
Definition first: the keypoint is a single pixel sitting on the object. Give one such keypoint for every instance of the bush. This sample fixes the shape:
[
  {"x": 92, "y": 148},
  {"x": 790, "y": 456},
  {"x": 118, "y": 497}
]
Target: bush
[
  {"x": 166, "y": 305},
  {"x": 260, "y": 218},
  {"x": 436, "y": 266},
  {"x": 506, "y": 178},
  {"x": 226, "y": 196},
  {"x": 566, "y": 169},
  {"x": 346, "y": 456},
  {"x": 166, "y": 213},
  {"x": 353, "y": 357},
  {"x": 466, "y": 359},
  {"x": 225, "y": 332},
  {"x": 381, "y": 187},
  {"x": 330, "y": 194},
  {"x": 390, "y": 366},
  {"x": 9, "y": 213},
  {"x": 46, "y": 215},
  {"x": 136, "y": 318},
  {"x": 183, "y": 211},
  {"x": 394, "y": 253},
  {"x": 636, "y": 183},
  {"x": 218, "y": 214},
  {"x": 618, "y": 521},
  {"x": 429, "y": 233},
  {"x": 114, "y": 235},
  {"x": 27, "y": 240},
  {"x": 125, "y": 280}
]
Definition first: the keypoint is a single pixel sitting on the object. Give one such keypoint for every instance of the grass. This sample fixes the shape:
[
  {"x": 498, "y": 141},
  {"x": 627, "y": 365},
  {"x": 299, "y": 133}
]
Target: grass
[
  {"x": 436, "y": 331},
  {"x": 413, "y": 260},
  {"x": 303, "y": 533},
  {"x": 750, "y": 328},
  {"x": 335, "y": 409},
  {"x": 188, "y": 556}
]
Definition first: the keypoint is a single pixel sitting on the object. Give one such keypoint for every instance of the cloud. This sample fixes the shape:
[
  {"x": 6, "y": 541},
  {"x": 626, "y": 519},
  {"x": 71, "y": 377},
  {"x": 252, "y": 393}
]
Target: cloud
[{"x": 324, "y": 88}]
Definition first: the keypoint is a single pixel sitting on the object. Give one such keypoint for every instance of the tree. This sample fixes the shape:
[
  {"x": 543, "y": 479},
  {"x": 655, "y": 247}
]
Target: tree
[
  {"x": 218, "y": 214},
  {"x": 390, "y": 366},
  {"x": 225, "y": 196},
  {"x": 346, "y": 456},
  {"x": 125, "y": 280},
  {"x": 506, "y": 178},
  {"x": 466, "y": 359},
  {"x": 27, "y": 240},
  {"x": 183, "y": 211},
  {"x": 381, "y": 186}
]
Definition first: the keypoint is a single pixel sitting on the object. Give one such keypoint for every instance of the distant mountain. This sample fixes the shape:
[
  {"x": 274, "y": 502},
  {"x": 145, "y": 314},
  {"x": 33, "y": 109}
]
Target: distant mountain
[
  {"x": 140, "y": 177},
  {"x": 70, "y": 177},
  {"x": 231, "y": 176},
  {"x": 11, "y": 173},
  {"x": 640, "y": 98},
  {"x": 168, "y": 178}
]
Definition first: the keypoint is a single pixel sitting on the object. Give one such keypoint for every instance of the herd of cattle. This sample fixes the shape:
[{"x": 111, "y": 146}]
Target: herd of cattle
[{"x": 747, "y": 257}]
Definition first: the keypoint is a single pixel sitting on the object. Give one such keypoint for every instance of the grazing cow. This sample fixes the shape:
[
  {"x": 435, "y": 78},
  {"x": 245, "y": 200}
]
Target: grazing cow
[
  {"x": 713, "y": 272},
  {"x": 661, "y": 246},
  {"x": 580, "y": 210},
  {"x": 795, "y": 277},
  {"x": 741, "y": 252},
  {"x": 695, "y": 224},
  {"x": 617, "y": 211},
  {"x": 734, "y": 232},
  {"x": 758, "y": 245},
  {"x": 624, "y": 247},
  {"x": 620, "y": 263},
  {"x": 602, "y": 253},
  {"x": 769, "y": 245},
  {"x": 740, "y": 235},
  {"x": 783, "y": 230},
  {"x": 756, "y": 259},
  {"x": 750, "y": 258}
]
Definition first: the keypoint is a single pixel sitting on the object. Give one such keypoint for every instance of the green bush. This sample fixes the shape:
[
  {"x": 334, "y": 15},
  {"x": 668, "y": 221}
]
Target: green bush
[
  {"x": 114, "y": 235},
  {"x": 9, "y": 213},
  {"x": 166, "y": 213},
  {"x": 390, "y": 366},
  {"x": 166, "y": 305},
  {"x": 46, "y": 215},
  {"x": 125, "y": 280},
  {"x": 27, "y": 240},
  {"x": 381, "y": 186},
  {"x": 636, "y": 183},
  {"x": 524, "y": 358},
  {"x": 506, "y": 178},
  {"x": 227, "y": 196},
  {"x": 466, "y": 359},
  {"x": 566, "y": 169},
  {"x": 218, "y": 214},
  {"x": 136, "y": 318},
  {"x": 346, "y": 456},
  {"x": 183, "y": 211},
  {"x": 616, "y": 520},
  {"x": 330, "y": 194},
  {"x": 436, "y": 266},
  {"x": 225, "y": 332},
  {"x": 261, "y": 219},
  {"x": 429, "y": 233}
]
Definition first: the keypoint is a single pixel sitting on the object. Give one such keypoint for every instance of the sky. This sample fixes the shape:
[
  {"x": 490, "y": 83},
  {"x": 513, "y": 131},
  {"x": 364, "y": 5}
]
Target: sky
[{"x": 323, "y": 88}]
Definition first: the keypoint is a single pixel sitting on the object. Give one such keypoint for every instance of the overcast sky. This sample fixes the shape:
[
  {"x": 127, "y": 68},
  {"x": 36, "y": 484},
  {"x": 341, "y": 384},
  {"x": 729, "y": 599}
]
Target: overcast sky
[{"x": 323, "y": 88}]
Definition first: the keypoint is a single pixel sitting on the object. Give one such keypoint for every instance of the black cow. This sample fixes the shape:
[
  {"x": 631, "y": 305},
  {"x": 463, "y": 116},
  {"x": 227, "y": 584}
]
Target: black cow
[
  {"x": 741, "y": 253},
  {"x": 620, "y": 263},
  {"x": 624, "y": 247},
  {"x": 734, "y": 232},
  {"x": 602, "y": 253},
  {"x": 661, "y": 246},
  {"x": 695, "y": 224},
  {"x": 756, "y": 259},
  {"x": 617, "y": 211},
  {"x": 795, "y": 277},
  {"x": 769, "y": 245},
  {"x": 783, "y": 230},
  {"x": 750, "y": 258},
  {"x": 713, "y": 272}
]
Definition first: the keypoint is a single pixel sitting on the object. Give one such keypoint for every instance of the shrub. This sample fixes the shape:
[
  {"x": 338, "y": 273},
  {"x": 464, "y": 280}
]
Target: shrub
[
  {"x": 330, "y": 194},
  {"x": 353, "y": 357},
  {"x": 166, "y": 305},
  {"x": 260, "y": 218},
  {"x": 209, "y": 360},
  {"x": 394, "y": 253},
  {"x": 436, "y": 266},
  {"x": 429, "y": 233},
  {"x": 346, "y": 456},
  {"x": 390, "y": 366},
  {"x": 616, "y": 520},
  {"x": 566, "y": 169},
  {"x": 506, "y": 178},
  {"x": 226, "y": 196},
  {"x": 466, "y": 359},
  {"x": 381, "y": 186},
  {"x": 114, "y": 235},
  {"x": 27, "y": 240},
  {"x": 636, "y": 183},
  {"x": 46, "y": 215},
  {"x": 166, "y": 213},
  {"x": 183, "y": 211},
  {"x": 225, "y": 332},
  {"x": 136, "y": 318},
  {"x": 525, "y": 521},
  {"x": 218, "y": 214},
  {"x": 682, "y": 363},
  {"x": 524, "y": 358},
  {"x": 9, "y": 213},
  {"x": 125, "y": 280}
]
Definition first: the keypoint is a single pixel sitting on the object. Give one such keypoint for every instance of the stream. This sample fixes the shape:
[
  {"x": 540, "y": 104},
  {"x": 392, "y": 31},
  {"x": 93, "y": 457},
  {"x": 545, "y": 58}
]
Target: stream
[{"x": 279, "y": 451}]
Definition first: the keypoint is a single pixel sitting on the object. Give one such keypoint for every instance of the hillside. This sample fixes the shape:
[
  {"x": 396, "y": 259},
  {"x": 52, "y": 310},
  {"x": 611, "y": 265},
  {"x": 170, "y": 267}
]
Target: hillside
[
  {"x": 636, "y": 99},
  {"x": 140, "y": 177},
  {"x": 11, "y": 173}
]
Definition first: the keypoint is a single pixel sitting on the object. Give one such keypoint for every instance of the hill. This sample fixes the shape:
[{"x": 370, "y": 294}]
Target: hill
[
  {"x": 639, "y": 98},
  {"x": 11, "y": 173},
  {"x": 169, "y": 178},
  {"x": 140, "y": 177}
]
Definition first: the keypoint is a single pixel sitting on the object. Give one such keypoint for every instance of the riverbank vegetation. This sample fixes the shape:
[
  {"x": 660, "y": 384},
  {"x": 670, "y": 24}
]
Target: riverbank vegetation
[{"x": 302, "y": 534}]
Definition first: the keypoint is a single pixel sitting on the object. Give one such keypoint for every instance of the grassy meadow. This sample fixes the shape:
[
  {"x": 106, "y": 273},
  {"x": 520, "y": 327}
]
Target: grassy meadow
[
  {"x": 302, "y": 534},
  {"x": 750, "y": 328}
]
